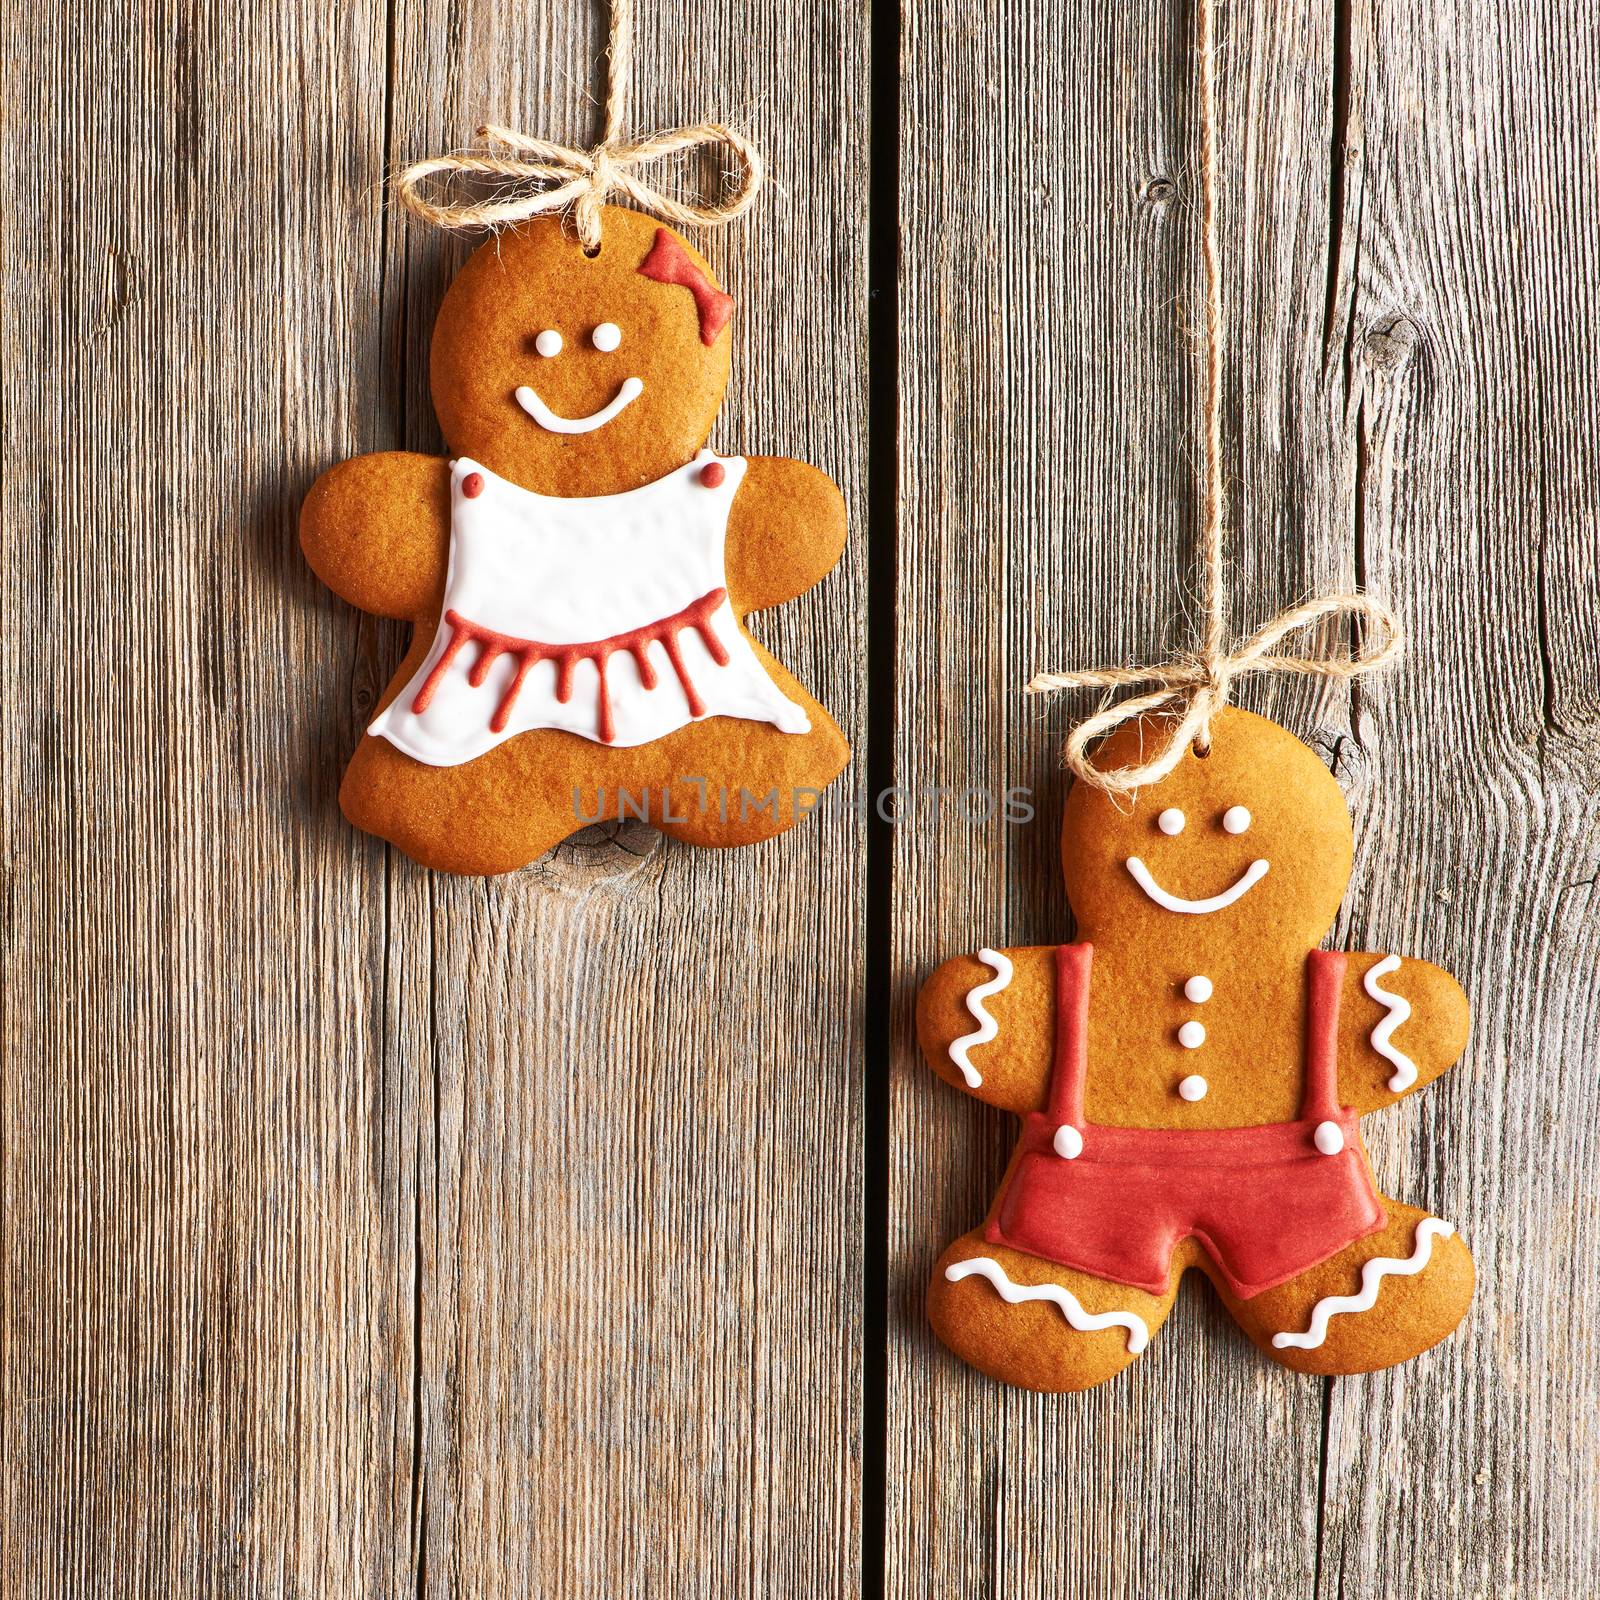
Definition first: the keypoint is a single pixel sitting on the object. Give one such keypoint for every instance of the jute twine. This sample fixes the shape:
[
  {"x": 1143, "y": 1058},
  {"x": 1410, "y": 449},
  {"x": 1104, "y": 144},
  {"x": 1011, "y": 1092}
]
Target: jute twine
[
  {"x": 1193, "y": 686},
  {"x": 528, "y": 177}
]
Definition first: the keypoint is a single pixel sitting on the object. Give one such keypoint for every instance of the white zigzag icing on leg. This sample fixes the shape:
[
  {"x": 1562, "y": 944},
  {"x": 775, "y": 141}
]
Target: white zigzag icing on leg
[
  {"x": 1068, "y": 1303},
  {"x": 1372, "y": 1276},
  {"x": 987, "y": 1027},
  {"x": 1399, "y": 1008}
]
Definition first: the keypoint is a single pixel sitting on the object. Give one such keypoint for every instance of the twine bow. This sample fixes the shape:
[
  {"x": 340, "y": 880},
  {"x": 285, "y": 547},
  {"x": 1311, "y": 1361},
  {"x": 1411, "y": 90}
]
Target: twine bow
[
  {"x": 1201, "y": 684},
  {"x": 1198, "y": 684},
  {"x": 531, "y": 177}
]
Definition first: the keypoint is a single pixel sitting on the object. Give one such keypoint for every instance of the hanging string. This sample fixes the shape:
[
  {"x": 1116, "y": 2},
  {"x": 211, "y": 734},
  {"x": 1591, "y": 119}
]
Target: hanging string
[
  {"x": 528, "y": 177},
  {"x": 1192, "y": 687}
]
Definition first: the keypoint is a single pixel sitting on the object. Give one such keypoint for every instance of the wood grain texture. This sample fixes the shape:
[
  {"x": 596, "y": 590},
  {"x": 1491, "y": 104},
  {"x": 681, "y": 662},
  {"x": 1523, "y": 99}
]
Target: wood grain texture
[
  {"x": 1411, "y": 380},
  {"x": 367, "y": 1232},
  {"x": 371, "y": 1233}
]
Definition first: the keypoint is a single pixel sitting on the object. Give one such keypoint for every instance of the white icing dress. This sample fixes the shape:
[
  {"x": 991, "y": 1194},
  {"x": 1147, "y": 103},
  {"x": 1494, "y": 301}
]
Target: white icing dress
[{"x": 606, "y": 616}]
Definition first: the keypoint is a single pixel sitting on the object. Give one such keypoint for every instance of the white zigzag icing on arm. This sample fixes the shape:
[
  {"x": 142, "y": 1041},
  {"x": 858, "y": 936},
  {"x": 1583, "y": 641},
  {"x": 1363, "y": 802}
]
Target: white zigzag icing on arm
[
  {"x": 987, "y": 1027},
  {"x": 1372, "y": 1276},
  {"x": 1399, "y": 1008},
  {"x": 1014, "y": 1294}
]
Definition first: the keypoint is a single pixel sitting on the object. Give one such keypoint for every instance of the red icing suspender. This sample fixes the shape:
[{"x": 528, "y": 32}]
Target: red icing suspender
[
  {"x": 1073, "y": 962},
  {"x": 1319, "y": 1092},
  {"x": 529, "y": 652},
  {"x": 668, "y": 262}
]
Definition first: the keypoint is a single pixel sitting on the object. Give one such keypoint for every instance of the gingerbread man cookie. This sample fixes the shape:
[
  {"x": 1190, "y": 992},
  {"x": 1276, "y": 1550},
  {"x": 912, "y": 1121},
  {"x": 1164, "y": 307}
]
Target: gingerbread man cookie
[
  {"x": 1190, "y": 1076},
  {"x": 579, "y": 573}
]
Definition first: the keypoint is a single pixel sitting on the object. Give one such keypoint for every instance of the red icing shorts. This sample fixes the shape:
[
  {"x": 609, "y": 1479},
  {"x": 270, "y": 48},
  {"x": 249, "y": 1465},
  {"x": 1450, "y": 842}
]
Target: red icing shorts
[{"x": 1265, "y": 1202}]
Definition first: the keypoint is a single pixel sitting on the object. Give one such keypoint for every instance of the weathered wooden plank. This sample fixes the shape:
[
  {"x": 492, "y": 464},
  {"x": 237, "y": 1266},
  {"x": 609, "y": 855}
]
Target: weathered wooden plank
[
  {"x": 1476, "y": 361},
  {"x": 206, "y": 1245},
  {"x": 1049, "y": 495},
  {"x": 1379, "y": 387},
  {"x": 367, "y": 1232},
  {"x": 640, "y": 1307}
]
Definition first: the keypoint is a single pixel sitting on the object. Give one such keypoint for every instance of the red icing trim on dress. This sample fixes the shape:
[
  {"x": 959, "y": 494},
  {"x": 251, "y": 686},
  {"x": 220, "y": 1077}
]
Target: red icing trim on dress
[
  {"x": 530, "y": 652},
  {"x": 668, "y": 262},
  {"x": 1266, "y": 1202}
]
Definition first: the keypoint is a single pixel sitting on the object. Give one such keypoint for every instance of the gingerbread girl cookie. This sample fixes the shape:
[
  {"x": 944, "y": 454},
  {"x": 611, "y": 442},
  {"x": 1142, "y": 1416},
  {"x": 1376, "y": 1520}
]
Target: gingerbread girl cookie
[
  {"x": 579, "y": 574},
  {"x": 1191, "y": 1073}
]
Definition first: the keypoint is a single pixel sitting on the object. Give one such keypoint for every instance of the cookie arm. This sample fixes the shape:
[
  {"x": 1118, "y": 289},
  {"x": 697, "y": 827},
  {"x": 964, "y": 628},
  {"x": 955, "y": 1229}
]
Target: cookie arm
[
  {"x": 1013, "y": 1065},
  {"x": 1402, "y": 1024},
  {"x": 376, "y": 530},
  {"x": 786, "y": 531}
]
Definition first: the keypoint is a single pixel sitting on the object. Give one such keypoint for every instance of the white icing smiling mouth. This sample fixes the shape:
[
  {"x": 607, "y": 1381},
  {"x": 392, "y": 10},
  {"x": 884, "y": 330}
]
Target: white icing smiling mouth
[
  {"x": 530, "y": 402},
  {"x": 1246, "y": 881}
]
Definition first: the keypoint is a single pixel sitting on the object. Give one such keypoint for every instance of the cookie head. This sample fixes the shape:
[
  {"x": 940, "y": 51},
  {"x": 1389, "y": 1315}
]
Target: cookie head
[
  {"x": 573, "y": 374},
  {"x": 1250, "y": 842}
]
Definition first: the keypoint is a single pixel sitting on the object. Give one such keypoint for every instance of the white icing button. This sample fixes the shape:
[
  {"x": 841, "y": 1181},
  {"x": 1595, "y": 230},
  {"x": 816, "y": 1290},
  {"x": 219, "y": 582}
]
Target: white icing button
[
  {"x": 1197, "y": 989},
  {"x": 1191, "y": 1036},
  {"x": 548, "y": 343},
  {"x": 608, "y": 336},
  {"x": 1193, "y": 1087},
  {"x": 1068, "y": 1142},
  {"x": 1170, "y": 821},
  {"x": 1236, "y": 819},
  {"x": 1329, "y": 1137}
]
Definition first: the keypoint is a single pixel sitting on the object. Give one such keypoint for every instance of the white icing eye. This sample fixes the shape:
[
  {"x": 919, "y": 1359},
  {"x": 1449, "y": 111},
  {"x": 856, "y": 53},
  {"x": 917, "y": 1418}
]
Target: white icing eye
[
  {"x": 606, "y": 337},
  {"x": 1197, "y": 989},
  {"x": 1170, "y": 821},
  {"x": 1236, "y": 819},
  {"x": 1193, "y": 1087},
  {"x": 1191, "y": 1035},
  {"x": 548, "y": 343}
]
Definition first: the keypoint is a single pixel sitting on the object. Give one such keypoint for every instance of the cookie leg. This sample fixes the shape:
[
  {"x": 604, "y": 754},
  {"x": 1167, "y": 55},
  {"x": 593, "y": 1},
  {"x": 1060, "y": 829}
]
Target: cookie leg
[
  {"x": 1028, "y": 1322},
  {"x": 740, "y": 782},
  {"x": 1380, "y": 1301},
  {"x": 491, "y": 815}
]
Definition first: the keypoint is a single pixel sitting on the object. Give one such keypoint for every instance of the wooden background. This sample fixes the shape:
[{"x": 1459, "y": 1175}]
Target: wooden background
[{"x": 370, "y": 1233}]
